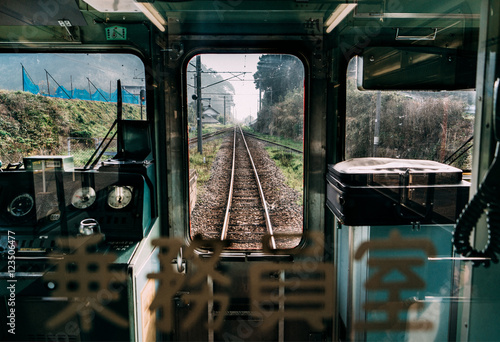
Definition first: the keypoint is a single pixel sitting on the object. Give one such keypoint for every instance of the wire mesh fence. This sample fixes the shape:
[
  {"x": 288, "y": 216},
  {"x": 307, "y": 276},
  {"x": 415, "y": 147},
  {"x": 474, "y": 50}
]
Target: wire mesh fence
[
  {"x": 6, "y": 159},
  {"x": 82, "y": 149}
]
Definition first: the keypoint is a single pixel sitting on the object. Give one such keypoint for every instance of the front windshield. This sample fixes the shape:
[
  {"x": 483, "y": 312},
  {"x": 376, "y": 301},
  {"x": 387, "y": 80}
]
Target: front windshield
[{"x": 262, "y": 96}]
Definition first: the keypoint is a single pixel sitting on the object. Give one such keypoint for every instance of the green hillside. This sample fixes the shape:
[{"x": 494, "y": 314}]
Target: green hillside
[{"x": 33, "y": 124}]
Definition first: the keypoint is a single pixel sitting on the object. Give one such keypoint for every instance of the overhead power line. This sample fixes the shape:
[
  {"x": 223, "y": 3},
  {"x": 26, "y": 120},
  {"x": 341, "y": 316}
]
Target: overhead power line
[
  {"x": 227, "y": 79},
  {"x": 223, "y": 72}
]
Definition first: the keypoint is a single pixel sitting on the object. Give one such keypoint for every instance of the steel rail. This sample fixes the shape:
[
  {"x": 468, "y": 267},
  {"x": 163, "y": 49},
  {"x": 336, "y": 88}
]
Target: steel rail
[
  {"x": 225, "y": 226},
  {"x": 261, "y": 193}
]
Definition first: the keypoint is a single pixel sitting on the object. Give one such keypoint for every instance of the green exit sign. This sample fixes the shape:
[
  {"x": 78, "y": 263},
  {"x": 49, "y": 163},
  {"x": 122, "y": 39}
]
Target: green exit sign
[{"x": 116, "y": 33}]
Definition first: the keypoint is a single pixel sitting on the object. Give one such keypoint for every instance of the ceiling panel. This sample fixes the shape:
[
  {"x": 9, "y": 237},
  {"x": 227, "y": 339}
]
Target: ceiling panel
[{"x": 39, "y": 13}]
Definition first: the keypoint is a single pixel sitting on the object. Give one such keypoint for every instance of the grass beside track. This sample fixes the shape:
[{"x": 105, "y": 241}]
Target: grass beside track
[
  {"x": 203, "y": 162},
  {"x": 292, "y": 167}
]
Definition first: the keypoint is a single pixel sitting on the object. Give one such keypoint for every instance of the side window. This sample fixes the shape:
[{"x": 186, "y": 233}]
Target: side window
[
  {"x": 400, "y": 205},
  {"x": 434, "y": 126},
  {"x": 251, "y": 104},
  {"x": 70, "y": 101}
]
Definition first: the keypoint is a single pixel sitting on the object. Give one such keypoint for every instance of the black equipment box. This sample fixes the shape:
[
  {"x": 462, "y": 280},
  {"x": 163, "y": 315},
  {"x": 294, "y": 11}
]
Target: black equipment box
[{"x": 386, "y": 191}]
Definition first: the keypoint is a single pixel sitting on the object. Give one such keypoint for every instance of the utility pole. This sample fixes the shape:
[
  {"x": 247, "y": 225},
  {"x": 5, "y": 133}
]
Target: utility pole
[
  {"x": 224, "y": 109},
  {"x": 444, "y": 130},
  {"x": 260, "y": 98},
  {"x": 377, "y": 125},
  {"x": 90, "y": 90},
  {"x": 48, "y": 86},
  {"x": 142, "y": 98},
  {"x": 198, "y": 102},
  {"x": 22, "y": 71}
]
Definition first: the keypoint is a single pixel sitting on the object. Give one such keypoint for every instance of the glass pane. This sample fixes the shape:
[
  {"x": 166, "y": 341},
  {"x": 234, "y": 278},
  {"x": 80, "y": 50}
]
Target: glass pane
[
  {"x": 263, "y": 95},
  {"x": 434, "y": 126},
  {"x": 70, "y": 100},
  {"x": 398, "y": 275},
  {"x": 402, "y": 286}
]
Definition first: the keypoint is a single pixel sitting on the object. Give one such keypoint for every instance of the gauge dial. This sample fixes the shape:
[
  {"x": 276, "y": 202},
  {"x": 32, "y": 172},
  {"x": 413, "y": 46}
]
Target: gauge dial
[
  {"x": 21, "y": 205},
  {"x": 120, "y": 196},
  {"x": 83, "y": 197}
]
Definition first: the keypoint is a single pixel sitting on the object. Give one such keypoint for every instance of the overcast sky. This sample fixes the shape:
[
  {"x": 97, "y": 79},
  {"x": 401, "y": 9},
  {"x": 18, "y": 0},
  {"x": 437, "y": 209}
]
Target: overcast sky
[
  {"x": 101, "y": 69},
  {"x": 246, "y": 97}
]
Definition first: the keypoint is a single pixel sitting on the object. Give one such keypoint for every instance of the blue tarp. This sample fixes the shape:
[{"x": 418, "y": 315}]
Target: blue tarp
[
  {"x": 80, "y": 94},
  {"x": 62, "y": 93},
  {"x": 28, "y": 85}
]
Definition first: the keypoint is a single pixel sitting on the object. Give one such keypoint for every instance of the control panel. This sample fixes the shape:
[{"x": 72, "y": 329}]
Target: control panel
[{"x": 40, "y": 206}]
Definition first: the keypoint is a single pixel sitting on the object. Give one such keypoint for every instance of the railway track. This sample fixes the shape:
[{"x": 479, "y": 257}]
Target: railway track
[
  {"x": 246, "y": 225},
  {"x": 247, "y": 216}
]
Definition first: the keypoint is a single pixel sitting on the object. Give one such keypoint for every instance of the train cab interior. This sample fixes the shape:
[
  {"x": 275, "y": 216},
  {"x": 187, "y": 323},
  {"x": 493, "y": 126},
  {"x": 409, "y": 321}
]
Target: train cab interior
[{"x": 372, "y": 130}]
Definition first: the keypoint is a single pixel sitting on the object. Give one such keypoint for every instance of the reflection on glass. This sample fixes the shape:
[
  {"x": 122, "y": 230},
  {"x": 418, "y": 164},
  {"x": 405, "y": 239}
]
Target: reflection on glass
[
  {"x": 63, "y": 104},
  {"x": 400, "y": 281},
  {"x": 409, "y": 124},
  {"x": 403, "y": 292}
]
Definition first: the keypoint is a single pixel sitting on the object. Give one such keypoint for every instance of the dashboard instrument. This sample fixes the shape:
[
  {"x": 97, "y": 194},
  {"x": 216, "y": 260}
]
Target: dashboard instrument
[
  {"x": 21, "y": 205},
  {"x": 83, "y": 197},
  {"x": 120, "y": 196},
  {"x": 56, "y": 202}
]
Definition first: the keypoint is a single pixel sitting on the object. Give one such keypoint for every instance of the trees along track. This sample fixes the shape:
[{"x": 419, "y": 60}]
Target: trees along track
[{"x": 246, "y": 211}]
